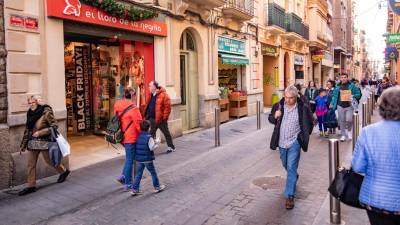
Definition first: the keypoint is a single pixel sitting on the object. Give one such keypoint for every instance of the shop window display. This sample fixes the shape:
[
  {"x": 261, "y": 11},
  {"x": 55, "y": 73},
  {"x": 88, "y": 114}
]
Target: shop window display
[{"x": 96, "y": 75}]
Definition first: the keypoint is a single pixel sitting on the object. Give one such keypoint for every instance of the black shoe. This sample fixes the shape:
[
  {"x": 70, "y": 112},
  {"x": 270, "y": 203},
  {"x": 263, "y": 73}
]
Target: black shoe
[
  {"x": 26, "y": 191},
  {"x": 63, "y": 176}
]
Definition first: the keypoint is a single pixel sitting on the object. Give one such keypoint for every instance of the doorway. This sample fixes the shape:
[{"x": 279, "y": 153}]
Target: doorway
[
  {"x": 189, "y": 79},
  {"x": 286, "y": 75}
]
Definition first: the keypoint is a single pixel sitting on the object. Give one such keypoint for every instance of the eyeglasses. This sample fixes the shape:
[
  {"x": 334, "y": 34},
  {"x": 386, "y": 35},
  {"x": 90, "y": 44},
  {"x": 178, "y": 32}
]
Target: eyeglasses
[{"x": 31, "y": 103}]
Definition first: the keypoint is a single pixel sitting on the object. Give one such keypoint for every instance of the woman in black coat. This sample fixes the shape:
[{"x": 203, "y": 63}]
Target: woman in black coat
[{"x": 310, "y": 93}]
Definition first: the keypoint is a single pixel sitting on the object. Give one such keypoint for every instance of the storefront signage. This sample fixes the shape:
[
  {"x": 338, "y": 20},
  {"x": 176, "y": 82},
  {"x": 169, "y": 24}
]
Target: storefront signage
[
  {"x": 232, "y": 46},
  {"x": 24, "y": 22},
  {"x": 393, "y": 38},
  {"x": 31, "y": 23},
  {"x": 82, "y": 107},
  {"x": 317, "y": 56},
  {"x": 298, "y": 59},
  {"x": 74, "y": 10},
  {"x": 395, "y": 6},
  {"x": 269, "y": 50},
  {"x": 391, "y": 53}
]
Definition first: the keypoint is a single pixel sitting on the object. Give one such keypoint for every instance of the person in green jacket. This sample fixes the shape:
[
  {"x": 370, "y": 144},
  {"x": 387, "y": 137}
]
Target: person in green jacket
[{"x": 344, "y": 95}]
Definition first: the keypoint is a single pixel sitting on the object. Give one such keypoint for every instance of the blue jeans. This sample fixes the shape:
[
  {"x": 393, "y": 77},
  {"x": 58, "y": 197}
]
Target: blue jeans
[
  {"x": 321, "y": 124},
  {"x": 150, "y": 167},
  {"x": 127, "y": 171},
  {"x": 290, "y": 158}
]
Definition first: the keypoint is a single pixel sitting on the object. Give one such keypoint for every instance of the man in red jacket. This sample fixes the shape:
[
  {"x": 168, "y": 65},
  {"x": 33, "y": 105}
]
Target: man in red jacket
[
  {"x": 130, "y": 124},
  {"x": 157, "y": 110}
]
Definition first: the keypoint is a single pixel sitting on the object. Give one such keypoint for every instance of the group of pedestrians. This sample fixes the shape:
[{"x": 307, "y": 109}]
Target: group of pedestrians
[
  {"x": 139, "y": 136},
  {"x": 343, "y": 97},
  {"x": 377, "y": 152}
]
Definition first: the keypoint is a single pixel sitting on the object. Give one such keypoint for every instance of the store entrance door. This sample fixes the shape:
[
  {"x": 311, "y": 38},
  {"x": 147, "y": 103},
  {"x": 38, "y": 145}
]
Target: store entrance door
[
  {"x": 286, "y": 75},
  {"x": 189, "y": 77}
]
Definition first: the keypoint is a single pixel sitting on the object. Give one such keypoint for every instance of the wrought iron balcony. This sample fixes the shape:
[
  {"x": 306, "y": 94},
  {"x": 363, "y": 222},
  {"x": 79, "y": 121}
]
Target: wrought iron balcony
[
  {"x": 240, "y": 9},
  {"x": 306, "y": 32},
  {"x": 294, "y": 24},
  {"x": 276, "y": 16}
]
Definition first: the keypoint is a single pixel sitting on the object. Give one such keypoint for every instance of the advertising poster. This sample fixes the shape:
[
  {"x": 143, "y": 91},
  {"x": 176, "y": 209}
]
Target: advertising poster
[{"x": 82, "y": 102}]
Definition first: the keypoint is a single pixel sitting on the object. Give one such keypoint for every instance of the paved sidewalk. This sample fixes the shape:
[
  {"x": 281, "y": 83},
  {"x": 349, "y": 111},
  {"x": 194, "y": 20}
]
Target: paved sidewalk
[{"x": 237, "y": 183}]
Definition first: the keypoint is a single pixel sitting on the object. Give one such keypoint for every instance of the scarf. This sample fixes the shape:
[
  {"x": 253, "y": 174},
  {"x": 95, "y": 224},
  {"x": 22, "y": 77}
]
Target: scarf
[{"x": 33, "y": 116}]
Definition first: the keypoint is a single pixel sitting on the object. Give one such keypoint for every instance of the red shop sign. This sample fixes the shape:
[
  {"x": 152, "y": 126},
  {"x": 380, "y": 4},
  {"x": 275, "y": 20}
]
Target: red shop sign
[
  {"x": 31, "y": 23},
  {"x": 74, "y": 10},
  {"x": 17, "y": 21}
]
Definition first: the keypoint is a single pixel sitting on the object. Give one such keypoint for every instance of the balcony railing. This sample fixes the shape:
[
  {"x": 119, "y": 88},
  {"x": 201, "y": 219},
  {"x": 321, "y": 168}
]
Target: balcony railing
[
  {"x": 294, "y": 24},
  {"x": 276, "y": 16},
  {"x": 244, "y": 6}
]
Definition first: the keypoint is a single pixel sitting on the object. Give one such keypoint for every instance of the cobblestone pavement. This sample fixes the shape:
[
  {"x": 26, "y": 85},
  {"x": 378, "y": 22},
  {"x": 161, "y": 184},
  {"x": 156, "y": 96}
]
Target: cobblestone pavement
[{"x": 237, "y": 183}]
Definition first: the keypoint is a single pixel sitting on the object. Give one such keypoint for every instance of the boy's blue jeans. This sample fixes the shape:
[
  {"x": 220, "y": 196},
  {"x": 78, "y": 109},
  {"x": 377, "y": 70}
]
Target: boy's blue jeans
[
  {"x": 290, "y": 158},
  {"x": 128, "y": 166},
  {"x": 150, "y": 167}
]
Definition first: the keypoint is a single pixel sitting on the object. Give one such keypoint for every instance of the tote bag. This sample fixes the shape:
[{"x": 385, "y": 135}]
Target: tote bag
[{"x": 65, "y": 148}]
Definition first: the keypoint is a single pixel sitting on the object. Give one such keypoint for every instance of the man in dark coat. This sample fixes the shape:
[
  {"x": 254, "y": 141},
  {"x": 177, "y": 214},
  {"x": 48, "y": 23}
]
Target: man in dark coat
[{"x": 293, "y": 122}]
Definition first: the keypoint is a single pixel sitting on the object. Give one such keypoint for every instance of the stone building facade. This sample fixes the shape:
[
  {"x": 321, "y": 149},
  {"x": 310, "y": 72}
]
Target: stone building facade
[
  {"x": 199, "y": 36},
  {"x": 5, "y": 157}
]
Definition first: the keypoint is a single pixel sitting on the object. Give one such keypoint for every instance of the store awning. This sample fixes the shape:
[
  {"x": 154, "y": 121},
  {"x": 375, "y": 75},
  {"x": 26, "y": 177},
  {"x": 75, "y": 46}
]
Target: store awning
[{"x": 234, "y": 59}]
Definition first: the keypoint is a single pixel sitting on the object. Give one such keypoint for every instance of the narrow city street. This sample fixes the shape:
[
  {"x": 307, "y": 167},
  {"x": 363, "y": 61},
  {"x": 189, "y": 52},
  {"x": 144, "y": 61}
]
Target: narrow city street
[{"x": 238, "y": 183}]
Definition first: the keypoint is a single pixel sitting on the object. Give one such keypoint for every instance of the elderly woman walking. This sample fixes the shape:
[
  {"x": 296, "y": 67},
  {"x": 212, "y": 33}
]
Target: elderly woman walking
[
  {"x": 40, "y": 119},
  {"x": 377, "y": 155}
]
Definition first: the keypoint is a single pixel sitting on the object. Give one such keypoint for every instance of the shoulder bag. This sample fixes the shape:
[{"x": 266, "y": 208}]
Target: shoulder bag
[{"x": 346, "y": 187}]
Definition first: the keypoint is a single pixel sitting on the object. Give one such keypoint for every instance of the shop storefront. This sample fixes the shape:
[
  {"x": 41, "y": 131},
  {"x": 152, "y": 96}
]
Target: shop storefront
[
  {"x": 232, "y": 63},
  {"x": 103, "y": 55},
  {"x": 270, "y": 73},
  {"x": 316, "y": 59},
  {"x": 299, "y": 68}
]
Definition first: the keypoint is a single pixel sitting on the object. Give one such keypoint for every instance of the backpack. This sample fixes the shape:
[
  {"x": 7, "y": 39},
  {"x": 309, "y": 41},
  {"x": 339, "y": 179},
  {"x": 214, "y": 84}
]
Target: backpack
[{"x": 114, "y": 132}]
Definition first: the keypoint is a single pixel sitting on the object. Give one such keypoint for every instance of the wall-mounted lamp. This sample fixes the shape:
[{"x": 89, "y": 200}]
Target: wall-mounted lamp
[
  {"x": 235, "y": 35},
  {"x": 225, "y": 33}
]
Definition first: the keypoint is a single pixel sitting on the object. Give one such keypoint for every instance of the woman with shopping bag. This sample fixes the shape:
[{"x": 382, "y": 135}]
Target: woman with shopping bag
[
  {"x": 377, "y": 156},
  {"x": 39, "y": 122}
]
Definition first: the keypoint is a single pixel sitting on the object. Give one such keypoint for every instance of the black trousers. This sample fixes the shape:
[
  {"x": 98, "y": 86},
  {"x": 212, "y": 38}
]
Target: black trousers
[
  {"x": 163, "y": 126},
  {"x": 382, "y": 219}
]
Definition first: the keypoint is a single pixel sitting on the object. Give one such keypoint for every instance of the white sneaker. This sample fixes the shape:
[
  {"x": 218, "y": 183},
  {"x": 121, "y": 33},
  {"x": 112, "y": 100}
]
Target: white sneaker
[
  {"x": 343, "y": 138},
  {"x": 160, "y": 189},
  {"x": 169, "y": 150}
]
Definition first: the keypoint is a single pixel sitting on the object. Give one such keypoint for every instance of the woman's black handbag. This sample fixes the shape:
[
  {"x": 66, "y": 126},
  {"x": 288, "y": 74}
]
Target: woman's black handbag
[
  {"x": 346, "y": 187},
  {"x": 54, "y": 150}
]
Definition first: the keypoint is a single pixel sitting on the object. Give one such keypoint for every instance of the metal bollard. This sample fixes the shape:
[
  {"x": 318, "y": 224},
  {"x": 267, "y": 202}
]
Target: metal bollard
[
  {"x": 356, "y": 128},
  {"x": 335, "y": 214},
  {"x": 364, "y": 114},
  {"x": 372, "y": 103},
  {"x": 217, "y": 123},
  {"x": 258, "y": 115},
  {"x": 369, "y": 110}
]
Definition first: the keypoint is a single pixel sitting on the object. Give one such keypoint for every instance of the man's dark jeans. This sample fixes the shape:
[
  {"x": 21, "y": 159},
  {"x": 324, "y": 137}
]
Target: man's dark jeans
[{"x": 163, "y": 126}]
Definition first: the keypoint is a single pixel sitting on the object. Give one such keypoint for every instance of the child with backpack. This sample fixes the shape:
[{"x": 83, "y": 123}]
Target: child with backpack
[
  {"x": 144, "y": 155},
  {"x": 321, "y": 102}
]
